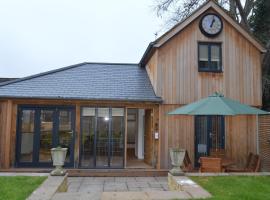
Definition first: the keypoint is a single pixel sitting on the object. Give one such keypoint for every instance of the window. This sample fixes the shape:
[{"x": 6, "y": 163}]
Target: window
[{"x": 209, "y": 58}]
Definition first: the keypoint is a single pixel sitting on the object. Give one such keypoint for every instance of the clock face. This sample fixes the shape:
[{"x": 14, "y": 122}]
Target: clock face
[{"x": 211, "y": 25}]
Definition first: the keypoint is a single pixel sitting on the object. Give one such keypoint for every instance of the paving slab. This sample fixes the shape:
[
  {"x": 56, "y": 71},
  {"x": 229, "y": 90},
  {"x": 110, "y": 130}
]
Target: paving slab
[
  {"x": 49, "y": 187},
  {"x": 154, "y": 195},
  {"x": 22, "y": 174},
  {"x": 77, "y": 196}
]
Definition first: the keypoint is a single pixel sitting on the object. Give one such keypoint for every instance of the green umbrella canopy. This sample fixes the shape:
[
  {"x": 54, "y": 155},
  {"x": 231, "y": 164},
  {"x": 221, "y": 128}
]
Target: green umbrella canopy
[{"x": 217, "y": 104}]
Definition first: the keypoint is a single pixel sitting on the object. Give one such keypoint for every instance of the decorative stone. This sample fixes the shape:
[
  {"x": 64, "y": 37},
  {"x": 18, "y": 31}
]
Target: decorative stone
[
  {"x": 58, "y": 157},
  {"x": 177, "y": 156}
]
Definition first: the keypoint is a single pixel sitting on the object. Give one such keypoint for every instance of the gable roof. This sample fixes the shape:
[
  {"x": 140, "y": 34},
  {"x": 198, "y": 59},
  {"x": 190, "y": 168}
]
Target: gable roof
[
  {"x": 85, "y": 81},
  {"x": 181, "y": 25}
]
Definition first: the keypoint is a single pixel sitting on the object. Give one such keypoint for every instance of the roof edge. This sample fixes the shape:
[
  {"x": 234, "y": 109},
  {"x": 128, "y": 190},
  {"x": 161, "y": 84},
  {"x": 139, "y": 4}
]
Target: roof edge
[{"x": 157, "y": 100}]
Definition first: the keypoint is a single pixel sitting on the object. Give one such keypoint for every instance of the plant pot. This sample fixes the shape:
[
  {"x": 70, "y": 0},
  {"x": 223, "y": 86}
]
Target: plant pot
[
  {"x": 177, "y": 156},
  {"x": 58, "y": 158}
]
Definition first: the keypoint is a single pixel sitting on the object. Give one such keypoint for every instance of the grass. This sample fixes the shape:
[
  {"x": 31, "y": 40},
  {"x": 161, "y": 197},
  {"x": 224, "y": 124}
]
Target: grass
[
  {"x": 18, "y": 187},
  {"x": 236, "y": 187}
]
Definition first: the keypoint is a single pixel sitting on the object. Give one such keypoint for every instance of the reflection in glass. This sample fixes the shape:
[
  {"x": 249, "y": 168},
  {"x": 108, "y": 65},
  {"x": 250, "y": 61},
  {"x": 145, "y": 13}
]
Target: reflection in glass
[
  {"x": 88, "y": 136},
  {"x": 117, "y": 138},
  {"x": 46, "y": 132},
  {"x": 65, "y": 131},
  {"x": 203, "y": 56},
  {"x": 215, "y": 57},
  {"x": 27, "y": 135},
  {"x": 102, "y": 134}
]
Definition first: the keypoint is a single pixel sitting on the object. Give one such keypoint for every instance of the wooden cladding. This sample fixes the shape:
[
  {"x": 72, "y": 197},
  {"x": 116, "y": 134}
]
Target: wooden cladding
[
  {"x": 175, "y": 131},
  {"x": 7, "y": 133},
  {"x": 240, "y": 137},
  {"x": 173, "y": 68},
  {"x": 264, "y": 141},
  {"x": 179, "y": 131}
]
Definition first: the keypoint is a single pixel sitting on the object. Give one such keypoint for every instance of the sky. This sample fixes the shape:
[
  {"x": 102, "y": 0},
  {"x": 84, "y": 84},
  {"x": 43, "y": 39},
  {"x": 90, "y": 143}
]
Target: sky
[{"x": 41, "y": 35}]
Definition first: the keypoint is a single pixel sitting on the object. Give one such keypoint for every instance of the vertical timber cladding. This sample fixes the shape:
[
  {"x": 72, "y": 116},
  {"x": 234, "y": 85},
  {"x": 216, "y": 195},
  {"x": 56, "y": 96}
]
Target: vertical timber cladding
[
  {"x": 264, "y": 141},
  {"x": 240, "y": 137},
  {"x": 6, "y": 133},
  {"x": 152, "y": 144},
  {"x": 175, "y": 131},
  {"x": 173, "y": 68}
]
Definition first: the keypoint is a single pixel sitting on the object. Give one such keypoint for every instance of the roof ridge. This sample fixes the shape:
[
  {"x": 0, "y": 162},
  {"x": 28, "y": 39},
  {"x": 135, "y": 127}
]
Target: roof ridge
[{"x": 59, "y": 70}]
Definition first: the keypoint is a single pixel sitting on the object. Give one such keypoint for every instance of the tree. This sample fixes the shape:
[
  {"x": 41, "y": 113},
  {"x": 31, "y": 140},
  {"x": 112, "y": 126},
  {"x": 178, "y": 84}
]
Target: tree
[{"x": 253, "y": 15}]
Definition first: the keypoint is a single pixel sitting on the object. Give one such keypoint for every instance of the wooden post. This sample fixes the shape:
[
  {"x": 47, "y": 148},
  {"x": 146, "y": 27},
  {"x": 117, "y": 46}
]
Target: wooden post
[
  {"x": 5, "y": 136},
  {"x": 77, "y": 134}
]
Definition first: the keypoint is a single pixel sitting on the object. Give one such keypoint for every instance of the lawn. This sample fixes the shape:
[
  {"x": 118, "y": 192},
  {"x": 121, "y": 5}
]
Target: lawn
[
  {"x": 236, "y": 187},
  {"x": 18, "y": 187}
]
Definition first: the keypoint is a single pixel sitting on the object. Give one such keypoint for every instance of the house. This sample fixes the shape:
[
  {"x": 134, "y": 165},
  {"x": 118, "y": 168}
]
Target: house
[{"x": 113, "y": 115}]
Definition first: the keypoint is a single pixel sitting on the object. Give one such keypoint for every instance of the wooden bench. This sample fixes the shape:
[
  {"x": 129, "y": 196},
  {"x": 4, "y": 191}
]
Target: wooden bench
[{"x": 253, "y": 165}]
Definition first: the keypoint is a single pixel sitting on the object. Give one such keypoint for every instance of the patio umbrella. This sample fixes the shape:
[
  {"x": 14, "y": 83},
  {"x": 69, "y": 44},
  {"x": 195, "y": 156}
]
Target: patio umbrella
[{"x": 217, "y": 104}]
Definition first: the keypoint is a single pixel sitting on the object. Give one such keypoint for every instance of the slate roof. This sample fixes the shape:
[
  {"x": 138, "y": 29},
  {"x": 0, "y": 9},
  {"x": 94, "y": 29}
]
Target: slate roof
[
  {"x": 85, "y": 81},
  {"x": 6, "y": 79}
]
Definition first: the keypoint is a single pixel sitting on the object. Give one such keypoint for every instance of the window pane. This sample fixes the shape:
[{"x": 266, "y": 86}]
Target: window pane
[
  {"x": 27, "y": 135},
  {"x": 203, "y": 51},
  {"x": 88, "y": 112},
  {"x": 118, "y": 112},
  {"x": 203, "y": 56},
  {"x": 102, "y": 138},
  {"x": 88, "y": 136},
  {"x": 117, "y": 140},
  {"x": 65, "y": 131},
  {"x": 215, "y": 57},
  {"x": 46, "y": 131}
]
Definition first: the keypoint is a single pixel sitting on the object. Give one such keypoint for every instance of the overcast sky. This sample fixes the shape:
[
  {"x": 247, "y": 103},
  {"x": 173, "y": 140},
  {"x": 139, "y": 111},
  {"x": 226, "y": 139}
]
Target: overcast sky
[{"x": 40, "y": 35}]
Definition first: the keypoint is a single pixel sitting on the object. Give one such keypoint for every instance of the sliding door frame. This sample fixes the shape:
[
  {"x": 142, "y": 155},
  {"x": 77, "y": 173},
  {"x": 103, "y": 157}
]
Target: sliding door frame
[
  {"x": 36, "y": 138},
  {"x": 109, "y": 138}
]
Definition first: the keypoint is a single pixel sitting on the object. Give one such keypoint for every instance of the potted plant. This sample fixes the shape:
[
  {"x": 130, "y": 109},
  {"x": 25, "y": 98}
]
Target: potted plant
[
  {"x": 177, "y": 156},
  {"x": 58, "y": 158}
]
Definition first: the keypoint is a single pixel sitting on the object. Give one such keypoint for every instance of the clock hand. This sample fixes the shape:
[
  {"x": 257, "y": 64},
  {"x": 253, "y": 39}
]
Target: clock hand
[{"x": 213, "y": 21}]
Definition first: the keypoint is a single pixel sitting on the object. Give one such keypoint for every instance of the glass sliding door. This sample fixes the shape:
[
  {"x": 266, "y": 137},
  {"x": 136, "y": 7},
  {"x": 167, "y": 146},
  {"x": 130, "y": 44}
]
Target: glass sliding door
[
  {"x": 66, "y": 132},
  {"x": 102, "y": 137},
  {"x": 41, "y": 128},
  {"x": 27, "y": 133},
  {"x": 88, "y": 121},
  {"x": 117, "y": 137},
  {"x": 46, "y": 135}
]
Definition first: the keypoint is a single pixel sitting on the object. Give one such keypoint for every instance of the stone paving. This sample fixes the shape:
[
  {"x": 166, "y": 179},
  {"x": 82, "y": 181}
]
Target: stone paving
[{"x": 116, "y": 184}]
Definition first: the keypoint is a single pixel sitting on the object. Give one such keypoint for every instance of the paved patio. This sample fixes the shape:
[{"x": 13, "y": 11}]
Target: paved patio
[{"x": 116, "y": 184}]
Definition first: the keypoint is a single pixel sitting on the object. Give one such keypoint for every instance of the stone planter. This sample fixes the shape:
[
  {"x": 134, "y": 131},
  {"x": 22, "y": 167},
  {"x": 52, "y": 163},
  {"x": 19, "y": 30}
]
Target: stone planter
[
  {"x": 58, "y": 158},
  {"x": 177, "y": 156}
]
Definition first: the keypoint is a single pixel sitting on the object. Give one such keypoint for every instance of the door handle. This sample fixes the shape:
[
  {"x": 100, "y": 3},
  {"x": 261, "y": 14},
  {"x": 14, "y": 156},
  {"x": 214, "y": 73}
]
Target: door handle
[{"x": 72, "y": 133}]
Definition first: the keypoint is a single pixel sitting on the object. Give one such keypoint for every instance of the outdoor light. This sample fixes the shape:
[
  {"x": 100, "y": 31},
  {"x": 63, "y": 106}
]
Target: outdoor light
[{"x": 106, "y": 118}]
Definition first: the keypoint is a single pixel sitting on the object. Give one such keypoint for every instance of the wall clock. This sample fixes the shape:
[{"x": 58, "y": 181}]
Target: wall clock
[{"x": 211, "y": 24}]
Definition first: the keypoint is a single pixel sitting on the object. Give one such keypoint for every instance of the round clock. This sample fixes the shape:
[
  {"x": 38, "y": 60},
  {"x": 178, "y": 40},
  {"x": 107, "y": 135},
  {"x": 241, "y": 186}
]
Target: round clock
[{"x": 211, "y": 25}]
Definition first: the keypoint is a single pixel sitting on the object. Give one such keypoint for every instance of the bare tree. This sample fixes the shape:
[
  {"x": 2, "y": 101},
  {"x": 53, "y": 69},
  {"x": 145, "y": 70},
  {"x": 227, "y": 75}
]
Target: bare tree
[
  {"x": 242, "y": 11},
  {"x": 177, "y": 10}
]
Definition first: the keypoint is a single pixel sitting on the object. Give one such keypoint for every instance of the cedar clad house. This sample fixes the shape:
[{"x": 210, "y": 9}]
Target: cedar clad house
[{"x": 115, "y": 115}]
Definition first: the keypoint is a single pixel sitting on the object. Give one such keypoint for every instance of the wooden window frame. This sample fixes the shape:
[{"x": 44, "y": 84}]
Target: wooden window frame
[{"x": 209, "y": 45}]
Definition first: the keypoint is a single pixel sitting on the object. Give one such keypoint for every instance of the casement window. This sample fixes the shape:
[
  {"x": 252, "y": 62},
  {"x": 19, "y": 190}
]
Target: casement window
[{"x": 209, "y": 57}]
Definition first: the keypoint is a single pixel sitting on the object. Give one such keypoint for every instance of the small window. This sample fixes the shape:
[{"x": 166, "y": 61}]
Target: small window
[{"x": 209, "y": 57}]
